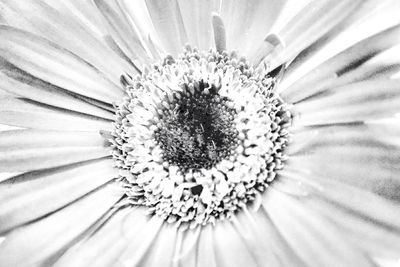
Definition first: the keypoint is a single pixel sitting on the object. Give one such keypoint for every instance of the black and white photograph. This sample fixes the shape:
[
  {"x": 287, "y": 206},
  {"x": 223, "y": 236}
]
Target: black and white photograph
[{"x": 200, "y": 133}]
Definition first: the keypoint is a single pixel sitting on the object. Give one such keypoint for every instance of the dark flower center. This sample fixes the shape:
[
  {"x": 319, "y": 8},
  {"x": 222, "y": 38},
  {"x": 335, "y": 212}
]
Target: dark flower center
[{"x": 196, "y": 128}]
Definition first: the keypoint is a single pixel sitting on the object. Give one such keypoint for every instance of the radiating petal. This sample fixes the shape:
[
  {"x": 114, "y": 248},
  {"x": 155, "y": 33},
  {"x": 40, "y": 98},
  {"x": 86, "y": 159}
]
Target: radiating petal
[
  {"x": 351, "y": 58},
  {"x": 26, "y": 113},
  {"x": 249, "y": 22},
  {"x": 106, "y": 245},
  {"x": 365, "y": 156},
  {"x": 316, "y": 18},
  {"x": 168, "y": 22},
  {"x": 219, "y": 33},
  {"x": 360, "y": 101},
  {"x": 18, "y": 83},
  {"x": 49, "y": 62},
  {"x": 135, "y": 251},
  {"x": 229, "y": 248},
  {"x": 123, "y": 32},
  {"x": 60, "y": 23},
  {"x": 27, "y": 150},
  {"x": 32, "y": 195},
  {"x": 196, "y": 16},
  {"x": 308, "y": 233},
  {"x": 370, "y": 222},
  {"x": 206, "y": 255},
  {"x": 361, "y": 21},
  {"x": 36, "y": 243}
]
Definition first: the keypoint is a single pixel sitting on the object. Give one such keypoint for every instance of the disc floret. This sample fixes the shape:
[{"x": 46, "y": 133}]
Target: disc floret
[{"x": 199, "y": 136}]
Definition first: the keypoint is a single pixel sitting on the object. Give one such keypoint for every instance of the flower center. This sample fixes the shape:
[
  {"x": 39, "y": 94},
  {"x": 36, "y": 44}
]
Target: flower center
[
  {"x": 199, "y": 136},
  {"x": 197, "y": 128}
]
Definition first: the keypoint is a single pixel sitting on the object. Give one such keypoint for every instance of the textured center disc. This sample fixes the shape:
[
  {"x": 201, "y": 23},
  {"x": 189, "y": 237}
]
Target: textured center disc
[
  {"x": 199, "y": 130},
  {"x": 199, "y": 136}
]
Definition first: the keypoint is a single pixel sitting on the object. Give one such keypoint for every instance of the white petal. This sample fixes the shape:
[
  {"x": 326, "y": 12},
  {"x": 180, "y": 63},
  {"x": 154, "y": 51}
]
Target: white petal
[
  {"x": 123, "y": 32},
  {"x": 105, "y": 247},
  {"x": 19, "y": 83},
  {"x": 317, "y": 18},
  {"x": 229, "y": 248},
  {"x": 168, "y": 22},
  {"x": 206, "y": 255},
  {"x": 51, "y": 63},
  {"x": 29, "y": 114},
  {"x": 219, "y": 33},
  {"x": 32, "y": 195},
  {"x": 349, "y": 59},
  {"x": 60, "y": 23},
  {"x": 248, "y": 22},
  {"x": 371, "y": 222},
  {"x": 361, "y": 101},
  {"x": 196, "y": 16},
  {"x": 361, "y": 21},
  {"x": 27, "y": 150},
  {"x": 37, "y": 242},
  {"x": 365, "y": 156},
  {"x": 308, "y": 233}
]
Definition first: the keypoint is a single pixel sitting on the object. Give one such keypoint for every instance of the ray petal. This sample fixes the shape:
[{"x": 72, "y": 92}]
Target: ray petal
[
  {"x": 360, "y": 101},
  {"x": 168, "y": 23},
  {"x": 316, "y": 18},
  {"x": 60, "y": 23},
  {"x": 343, "y": 62},
  {"x": 309, "y": 232},
  {"x": 35, "y": 243},
  {"x": 229, "y": 247},
  {"x": 364, "y": 156},
  {"x": 27, "y": 150},
  {"x": 219, "y": 33},
  {"x": 369, "y": 221},
  {"x": 104, "y": 247},
  {"x": 248, "y": 22},
  {"x": 26, "y": 53},
  {"x": 123, "y": 32},
  {"x": 29, "y": 114},
  {"x": 45, "y": 191},
  {"x": 356, "y": 20}
]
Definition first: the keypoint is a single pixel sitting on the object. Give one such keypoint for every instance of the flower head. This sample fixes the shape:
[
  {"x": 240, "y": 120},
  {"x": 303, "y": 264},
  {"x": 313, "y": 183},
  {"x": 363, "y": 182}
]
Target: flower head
[{"x": 199, "y": 133}]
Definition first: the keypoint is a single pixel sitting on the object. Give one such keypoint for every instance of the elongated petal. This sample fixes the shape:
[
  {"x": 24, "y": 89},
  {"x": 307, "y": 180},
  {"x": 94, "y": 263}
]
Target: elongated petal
[
  {"x": 360, "y": 101},
  {"x": 31, "y": 53},
  {"x": 31, "y": 244},
  {"x": 206, "y": 252},
  {"x": 350, "y": 58},
  {"x": 248, "y": 22},
  {"x": 29, "y": 114},
  {"x": 135, "y": 252},
  {"x": 196, "y": 16},
  {"x": 123, "y": 32},
  {"x": 219, "y": 33},
  {"x": 18, "y": 83},
  {"x": 43, "y": 192},
  {"x": 26, "y": 150},
  {"x": 364, "y": 218},
  {"x": 60, "y": 23},
  {"x": 309, "y": 232},
  {"x": 229, "y": 247},
  {"x": 317, "y": 18},
  {"x": 363, "y": 21},
  {"x": 168, "y": 23},
  {"x": 95, "y": 250},
  {"x": 365, "y": 156}
]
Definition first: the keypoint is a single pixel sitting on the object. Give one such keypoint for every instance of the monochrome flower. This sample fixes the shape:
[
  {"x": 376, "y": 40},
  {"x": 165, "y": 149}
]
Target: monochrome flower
[{"x": 199, "y": 133}]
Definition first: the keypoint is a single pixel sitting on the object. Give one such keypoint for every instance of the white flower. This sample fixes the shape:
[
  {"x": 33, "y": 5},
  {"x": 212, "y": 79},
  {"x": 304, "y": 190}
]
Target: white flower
[{"x": 199, "y": 133}]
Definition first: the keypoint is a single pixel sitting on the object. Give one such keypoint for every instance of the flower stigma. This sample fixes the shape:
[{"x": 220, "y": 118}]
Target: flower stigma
[{"x": 199, "y": 136}]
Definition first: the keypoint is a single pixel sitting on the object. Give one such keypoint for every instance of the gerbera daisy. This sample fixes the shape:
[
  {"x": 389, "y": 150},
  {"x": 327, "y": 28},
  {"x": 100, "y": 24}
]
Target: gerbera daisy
[{"x": 199, "y": 133}]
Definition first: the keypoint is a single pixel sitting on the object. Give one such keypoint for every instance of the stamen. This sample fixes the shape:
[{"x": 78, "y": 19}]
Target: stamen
[{"x": 199, "y": 136}]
